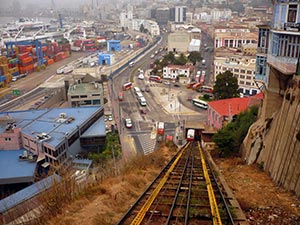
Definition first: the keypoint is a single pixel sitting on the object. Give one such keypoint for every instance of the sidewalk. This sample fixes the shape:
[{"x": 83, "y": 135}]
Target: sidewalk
[{"x": 170, "y": 102}]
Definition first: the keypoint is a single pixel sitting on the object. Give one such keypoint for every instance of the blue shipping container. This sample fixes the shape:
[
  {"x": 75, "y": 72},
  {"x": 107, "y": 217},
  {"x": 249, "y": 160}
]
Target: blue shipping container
[
  {"x": 2, "y": 78},
  {"x": 16, "y": 73}
]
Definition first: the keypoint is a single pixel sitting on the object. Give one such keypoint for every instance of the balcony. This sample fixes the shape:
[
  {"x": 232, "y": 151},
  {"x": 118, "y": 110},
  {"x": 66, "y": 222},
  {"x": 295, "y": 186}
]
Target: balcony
[
  {"x": 284, "y": 64},
  {"x": 292, "y": 26}
]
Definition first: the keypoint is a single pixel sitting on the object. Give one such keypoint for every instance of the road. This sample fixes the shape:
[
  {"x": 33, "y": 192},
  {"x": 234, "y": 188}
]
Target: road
[{"x": 159, "y": 98}]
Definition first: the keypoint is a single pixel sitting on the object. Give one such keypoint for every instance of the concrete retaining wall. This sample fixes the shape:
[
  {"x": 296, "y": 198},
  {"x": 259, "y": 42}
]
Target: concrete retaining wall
[{"x": 274, "y": 141}]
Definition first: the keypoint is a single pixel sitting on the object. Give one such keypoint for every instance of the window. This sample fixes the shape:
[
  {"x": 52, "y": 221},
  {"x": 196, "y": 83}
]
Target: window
[
  {"x": 249, "y": 72},
  {"x": 248, "y": 77},
  {"x": 242, "y": 82},
  {"x": 236, "y": 70},
  {"x": 243, "y": 71},
  {"x": 8, "y": 139},
  {"x": 242, "y": 76},
  {"x": 292, "y": 13},
  {"x": 248, "y": 83}
]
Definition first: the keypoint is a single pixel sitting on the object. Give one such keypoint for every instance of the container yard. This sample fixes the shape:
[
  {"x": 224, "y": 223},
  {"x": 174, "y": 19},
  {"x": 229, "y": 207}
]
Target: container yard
[{"x": 24, "y": 57}]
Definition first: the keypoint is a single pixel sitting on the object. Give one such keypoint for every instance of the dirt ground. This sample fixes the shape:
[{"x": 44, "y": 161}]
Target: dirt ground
[
  {"x": 107, "y": 201},
  {"x": 261, "y": 201}
]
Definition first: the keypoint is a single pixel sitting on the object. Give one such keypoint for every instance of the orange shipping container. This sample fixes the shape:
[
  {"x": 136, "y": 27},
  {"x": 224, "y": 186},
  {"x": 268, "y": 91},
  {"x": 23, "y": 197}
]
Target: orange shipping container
[
  {"x": 50, "y": 61},
  {"x": 26, "y": 60}
]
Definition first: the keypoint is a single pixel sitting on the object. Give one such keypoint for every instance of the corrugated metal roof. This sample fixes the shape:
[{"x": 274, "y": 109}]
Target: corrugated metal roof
[
  {"x": 27, "y": 193},
  {"x": 14, "y": 171},
  {"x": 97, "y": 129},
  {"x": 47, "y": 121}
]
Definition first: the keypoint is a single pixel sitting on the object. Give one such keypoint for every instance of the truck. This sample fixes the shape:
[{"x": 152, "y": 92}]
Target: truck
[{"x": 15, "y": 78}]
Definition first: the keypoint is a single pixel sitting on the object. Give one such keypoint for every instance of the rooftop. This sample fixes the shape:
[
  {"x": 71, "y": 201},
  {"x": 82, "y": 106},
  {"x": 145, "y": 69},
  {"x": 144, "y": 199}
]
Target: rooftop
[
  {"x": 55, "y": 124},
  {"x": 233, "y": 106},
  {"x": 97, "y": 129},
  {"x": 19, "y": 171},
  {"x": 85, "y": 88},
  {"x": 27, "y": 193}
]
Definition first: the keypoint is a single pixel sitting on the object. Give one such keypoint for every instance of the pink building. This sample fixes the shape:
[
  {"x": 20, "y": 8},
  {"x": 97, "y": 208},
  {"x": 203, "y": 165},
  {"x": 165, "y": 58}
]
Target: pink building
[
  {"x": 221, "y": 112},
  {"x": 10, "y": 139}
]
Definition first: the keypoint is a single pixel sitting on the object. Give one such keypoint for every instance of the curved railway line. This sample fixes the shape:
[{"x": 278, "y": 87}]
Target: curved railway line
[{"x": 185, "y": 192}]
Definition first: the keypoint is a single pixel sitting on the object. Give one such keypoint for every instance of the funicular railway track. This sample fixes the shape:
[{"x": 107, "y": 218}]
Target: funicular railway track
[{"x": 185, "y": 192}]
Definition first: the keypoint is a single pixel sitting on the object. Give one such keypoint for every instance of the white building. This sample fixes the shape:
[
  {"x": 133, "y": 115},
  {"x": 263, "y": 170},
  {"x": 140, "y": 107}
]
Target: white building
[
  {"x": 220, "y": 14},
  {"x": 195, "y": 45},
  {"x": 174, "y": 71},
  {"x": 126, "y": 19},
  {"x": 180, "y": 14}
]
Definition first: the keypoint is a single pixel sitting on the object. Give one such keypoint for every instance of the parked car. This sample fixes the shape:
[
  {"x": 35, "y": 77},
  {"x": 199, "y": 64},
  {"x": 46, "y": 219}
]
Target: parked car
[
  {"x": 128, "y": 123},
  {"x": 141, "y": 76},
  {"x": 143, "y": 110},
  {"x": 110, "y": 118},
  {"x": 176, "y": 85},
  {"x": 147, "y": 88}
]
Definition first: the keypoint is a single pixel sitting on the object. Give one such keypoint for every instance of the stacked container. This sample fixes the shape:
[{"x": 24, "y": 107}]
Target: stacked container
[
  {"x": 4, "y": 75},
  {"x": 89, "y": 45},
  {"x": 26, "y": 63}
]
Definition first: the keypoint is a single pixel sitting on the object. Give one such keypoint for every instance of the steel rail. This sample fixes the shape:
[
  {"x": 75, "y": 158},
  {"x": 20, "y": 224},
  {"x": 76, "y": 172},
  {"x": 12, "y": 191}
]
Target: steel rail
[
  {"x": 212, "y": 199},
  {"x": 178, "y": 189},
  {"x": 125, "y": 216},
  {"x": 186, "y": 220},
  {"x": 141, "y": 214}
]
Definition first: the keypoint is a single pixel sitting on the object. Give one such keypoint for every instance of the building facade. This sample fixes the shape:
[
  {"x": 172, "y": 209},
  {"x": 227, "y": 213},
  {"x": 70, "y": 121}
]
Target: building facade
[
  {"x": 174, "y": 71},
  {"x": 234, "y": 38},
  {"x": 279, "y": 46},
  {"x": 178, "y": 14},
  {"x": 53, "y": 135},
  {"x": 86, "y": 94},
  {"x": 242, "y": 67},
  {"x": 179, "y": 41}
]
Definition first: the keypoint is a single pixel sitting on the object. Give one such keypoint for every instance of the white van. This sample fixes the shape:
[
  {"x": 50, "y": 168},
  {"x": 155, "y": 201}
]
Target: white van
[
  {"x": 139, "y": 95},
  {"x": 136, "y": 89},
  {"x": 142, "y": 101}
]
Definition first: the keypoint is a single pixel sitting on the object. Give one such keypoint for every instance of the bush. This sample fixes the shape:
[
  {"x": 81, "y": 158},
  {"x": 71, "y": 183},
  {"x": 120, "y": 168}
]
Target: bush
[{"x": 230, "y": 137}]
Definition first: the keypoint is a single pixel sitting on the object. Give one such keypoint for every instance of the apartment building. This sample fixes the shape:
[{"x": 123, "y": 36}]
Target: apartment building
[
  {"x": 279, "y": 46},
  {"x": 241, "y": 65},
  {"x": 178, "y": 14},
  {"x": 174, "y": 71},
  {"x": 234, "y": 37}
]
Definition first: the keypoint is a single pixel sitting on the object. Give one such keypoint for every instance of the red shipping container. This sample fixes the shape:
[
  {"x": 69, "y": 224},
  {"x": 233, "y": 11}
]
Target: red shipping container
[{"x": 23, "y": 55}]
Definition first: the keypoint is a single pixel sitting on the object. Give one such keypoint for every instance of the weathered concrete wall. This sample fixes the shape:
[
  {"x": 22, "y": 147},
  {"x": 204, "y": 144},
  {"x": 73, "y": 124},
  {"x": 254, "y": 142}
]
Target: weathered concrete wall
[{"x": 274, "y": 141}]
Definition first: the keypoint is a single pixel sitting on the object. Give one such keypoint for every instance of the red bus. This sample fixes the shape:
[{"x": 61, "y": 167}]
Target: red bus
[
  {"x": 206, "y": 89},
  {"x": 120, "y": 96},
  {"x": 127, "y": 86},
  {"x": 161, "y": 128},
  {"x": 155, "y": 78}
]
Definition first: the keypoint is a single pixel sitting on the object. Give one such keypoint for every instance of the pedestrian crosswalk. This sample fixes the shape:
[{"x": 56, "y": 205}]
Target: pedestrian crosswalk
[{"x": 148, "y": 144}]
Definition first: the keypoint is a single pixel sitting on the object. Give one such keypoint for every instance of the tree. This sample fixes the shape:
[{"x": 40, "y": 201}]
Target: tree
[
  {"x": 195, "y": 57},
  {"x": 181, "y": 60},
  {"x": 230, "y": 137},
  {"x": 142, "y": 29},
  {"x": 226, "y": 86},
  {"x": 170, "y": 57}
]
